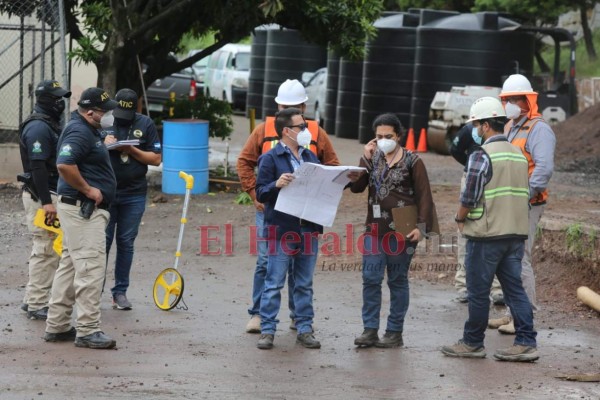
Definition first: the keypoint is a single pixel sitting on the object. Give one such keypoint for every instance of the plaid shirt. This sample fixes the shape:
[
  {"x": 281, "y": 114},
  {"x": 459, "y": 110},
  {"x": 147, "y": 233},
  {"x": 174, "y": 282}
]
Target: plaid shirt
[{"x": 479, "y": 173}]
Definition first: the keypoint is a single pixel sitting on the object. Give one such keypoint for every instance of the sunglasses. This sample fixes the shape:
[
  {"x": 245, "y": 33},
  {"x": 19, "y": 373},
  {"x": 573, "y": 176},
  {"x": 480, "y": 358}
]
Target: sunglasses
[{"x": 302, "y": 126}]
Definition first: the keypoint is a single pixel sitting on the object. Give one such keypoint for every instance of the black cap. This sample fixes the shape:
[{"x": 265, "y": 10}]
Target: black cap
[
  {"x": 126, "y": 104},
  {"x": 96, "y": 98},
  {"x": 51, "y": 87}
]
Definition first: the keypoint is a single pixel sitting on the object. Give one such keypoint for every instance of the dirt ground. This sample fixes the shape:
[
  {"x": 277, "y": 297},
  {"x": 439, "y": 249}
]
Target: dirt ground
[{"x": 203, "y": 352}]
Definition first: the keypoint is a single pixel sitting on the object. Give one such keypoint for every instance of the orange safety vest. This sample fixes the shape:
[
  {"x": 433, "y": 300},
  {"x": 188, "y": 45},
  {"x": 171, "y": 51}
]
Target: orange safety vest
[
  {"x": 271, "y": 138},
  {"x": 520, "y": 140}
]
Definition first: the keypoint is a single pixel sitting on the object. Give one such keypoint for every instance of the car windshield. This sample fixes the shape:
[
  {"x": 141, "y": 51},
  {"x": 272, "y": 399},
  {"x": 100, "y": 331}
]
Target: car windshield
[{"x": 242, "y": 61}]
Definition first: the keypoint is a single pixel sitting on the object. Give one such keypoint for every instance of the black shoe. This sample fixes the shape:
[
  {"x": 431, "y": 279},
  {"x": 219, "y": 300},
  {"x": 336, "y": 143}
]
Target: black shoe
[
  {"x": 368, "y": 338},
  {"x": 24, "y": 307},
  {"x": 61, "y": 336},
  {"x": 265, "y": 342},
  {"x": 390, "y": 339},
  {"x": 308, "y": 340},
  {"x": 42, "y": 314},
  {"x": 97, "y": 340}
]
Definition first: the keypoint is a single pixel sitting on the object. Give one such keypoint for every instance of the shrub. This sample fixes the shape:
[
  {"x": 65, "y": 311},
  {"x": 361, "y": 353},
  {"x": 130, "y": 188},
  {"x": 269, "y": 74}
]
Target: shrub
[{"x": 217, "y": 112}]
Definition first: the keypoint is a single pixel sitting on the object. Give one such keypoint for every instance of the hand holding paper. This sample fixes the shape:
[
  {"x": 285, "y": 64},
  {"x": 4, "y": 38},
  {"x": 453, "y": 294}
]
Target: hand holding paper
[{"x": 315, "y": 192}]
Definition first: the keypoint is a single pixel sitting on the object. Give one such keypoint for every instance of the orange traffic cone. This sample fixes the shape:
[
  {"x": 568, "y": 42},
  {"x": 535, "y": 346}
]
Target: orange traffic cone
[
  {"x": 422, "y": 148},
  {"x": 410, "y": 140}
]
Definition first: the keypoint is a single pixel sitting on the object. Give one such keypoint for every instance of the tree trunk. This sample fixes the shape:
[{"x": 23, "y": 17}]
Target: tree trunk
[
  {"x": 587, "y": 33},
  {"x": 118, "y": 67},
  {"x": 108, "y": 67}
]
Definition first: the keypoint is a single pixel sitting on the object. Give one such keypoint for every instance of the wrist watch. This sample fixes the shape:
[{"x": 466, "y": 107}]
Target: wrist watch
[{"x": 460, "y": 221}]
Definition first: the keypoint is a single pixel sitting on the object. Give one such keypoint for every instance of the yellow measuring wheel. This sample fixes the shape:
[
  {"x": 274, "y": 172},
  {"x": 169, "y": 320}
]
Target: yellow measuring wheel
[
  {"x": 169, "y": 284},
  {"x": 168, "y": 289}
]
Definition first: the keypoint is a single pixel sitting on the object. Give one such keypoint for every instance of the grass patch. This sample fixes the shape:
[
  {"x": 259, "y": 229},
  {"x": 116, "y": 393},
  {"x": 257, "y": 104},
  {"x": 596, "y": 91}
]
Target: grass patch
[
  {"x": 584, "y": 67},
  {"x": 579, "y": 242}
]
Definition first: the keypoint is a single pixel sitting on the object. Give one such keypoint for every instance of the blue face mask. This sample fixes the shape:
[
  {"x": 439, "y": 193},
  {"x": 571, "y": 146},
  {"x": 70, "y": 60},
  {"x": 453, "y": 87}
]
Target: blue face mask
[{"x": 475, "y": 134}]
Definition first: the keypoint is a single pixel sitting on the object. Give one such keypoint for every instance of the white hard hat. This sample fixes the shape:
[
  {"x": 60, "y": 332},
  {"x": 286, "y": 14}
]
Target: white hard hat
[
  {"x": 291, "y": 93},
  {"x": 516, "y": 85},
  {"x": 486, "y": 107}
]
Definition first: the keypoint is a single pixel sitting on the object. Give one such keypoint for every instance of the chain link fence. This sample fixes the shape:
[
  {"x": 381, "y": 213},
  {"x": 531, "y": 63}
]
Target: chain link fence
[{"x": 32, "y": 49}]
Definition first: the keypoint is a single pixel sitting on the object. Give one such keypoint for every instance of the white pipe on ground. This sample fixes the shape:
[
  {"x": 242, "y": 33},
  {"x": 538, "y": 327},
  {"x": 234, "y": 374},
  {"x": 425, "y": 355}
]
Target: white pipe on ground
[{"x": 589, "y": 297}]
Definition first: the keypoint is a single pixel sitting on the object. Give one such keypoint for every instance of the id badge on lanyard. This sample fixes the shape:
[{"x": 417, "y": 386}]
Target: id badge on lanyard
[
  {"x": 124, "y": 156},
  {"x": 376, "y": 211}
]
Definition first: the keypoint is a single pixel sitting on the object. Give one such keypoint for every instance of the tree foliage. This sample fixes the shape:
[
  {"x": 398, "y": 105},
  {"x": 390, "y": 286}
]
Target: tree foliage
[
  {"x": 111, "y": 33},
  {"x": 532, "y": 12},
  {"x": 463, "y": 6}
]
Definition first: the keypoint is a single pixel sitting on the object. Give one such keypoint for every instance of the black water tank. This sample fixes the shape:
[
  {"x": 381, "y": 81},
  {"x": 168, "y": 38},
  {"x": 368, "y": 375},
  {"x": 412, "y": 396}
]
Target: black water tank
[
  {"x": 287, "y": 57},
  {"x": 257, "y": 70},
  {"x": 348, "y": 99},
  {"x": 388, "y": 72},
  {"x": 333, "y": 70},
  {"x": 465, "y": 49}
]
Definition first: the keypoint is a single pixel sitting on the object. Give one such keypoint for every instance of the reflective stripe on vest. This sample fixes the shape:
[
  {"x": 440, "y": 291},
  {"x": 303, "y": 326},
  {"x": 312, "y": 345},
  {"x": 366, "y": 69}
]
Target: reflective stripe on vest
[
  {"x": 520, "y": 140},
  {"x": 506, "y": 191},
  {"x": 271, "y": 138},
  {"x": 475, "y": 213}
]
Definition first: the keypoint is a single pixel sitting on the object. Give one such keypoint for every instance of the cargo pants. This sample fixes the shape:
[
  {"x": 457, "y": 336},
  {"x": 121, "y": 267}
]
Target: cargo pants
[
  {"x": 43, "y": 260},
  {"x": 78, "y": 280}
]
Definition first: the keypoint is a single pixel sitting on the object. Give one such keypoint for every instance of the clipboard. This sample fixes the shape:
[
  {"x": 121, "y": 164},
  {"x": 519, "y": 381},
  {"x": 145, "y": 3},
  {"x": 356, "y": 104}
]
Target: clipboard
[
  {"x": 405, "y": 219},
  {"x": 435, "y": 225}
]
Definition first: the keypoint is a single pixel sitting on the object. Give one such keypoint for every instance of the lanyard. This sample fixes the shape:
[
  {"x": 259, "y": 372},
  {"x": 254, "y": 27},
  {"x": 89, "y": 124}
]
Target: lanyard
[{"x": 379, "y": 181}]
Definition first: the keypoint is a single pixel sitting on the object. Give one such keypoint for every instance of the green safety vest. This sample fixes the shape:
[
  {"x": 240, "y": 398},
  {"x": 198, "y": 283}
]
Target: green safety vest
[{"x": 503, "y": 209}]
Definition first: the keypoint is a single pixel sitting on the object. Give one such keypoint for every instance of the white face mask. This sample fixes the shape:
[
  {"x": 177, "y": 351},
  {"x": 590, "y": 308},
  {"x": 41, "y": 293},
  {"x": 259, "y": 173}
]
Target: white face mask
[
  {"x": 303, "y": 138},
  {"x": 513, "y": 111},
  {"x": 107, "y": 120},
  {"x": 386, "y": 145}
]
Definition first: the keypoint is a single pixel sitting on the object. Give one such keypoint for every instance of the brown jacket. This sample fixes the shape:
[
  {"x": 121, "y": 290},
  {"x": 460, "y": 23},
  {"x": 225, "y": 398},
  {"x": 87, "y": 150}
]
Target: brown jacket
[
  {"x": 404, "y": 184},
  {"x": 248, "y": 158}
]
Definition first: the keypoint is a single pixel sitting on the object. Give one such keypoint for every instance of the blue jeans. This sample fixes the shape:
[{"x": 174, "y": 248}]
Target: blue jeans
[
  {"x": 503, "y": 258},
  {"x": 261, "y": 271},
  {"x": 277, "y": 268},
  {"x": 375, "y": 263},
  {"x": 126, "y": 213}
]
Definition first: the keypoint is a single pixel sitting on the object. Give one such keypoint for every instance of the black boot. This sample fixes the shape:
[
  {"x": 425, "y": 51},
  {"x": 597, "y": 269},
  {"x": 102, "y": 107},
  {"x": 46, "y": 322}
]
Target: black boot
[
  {"x": 390, "y": 339},
  {"x": 308, "y": 340},
  {"x": 368, "y": 338}
]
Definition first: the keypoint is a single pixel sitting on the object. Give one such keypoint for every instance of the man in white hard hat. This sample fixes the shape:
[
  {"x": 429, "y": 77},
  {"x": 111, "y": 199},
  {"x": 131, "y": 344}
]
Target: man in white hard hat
[
  {"x": 263, "y": 138},
  {"x": 492, "y": 215},
  {"x": 528, "y": 131},
  {"x": 462, "y": 146}
]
